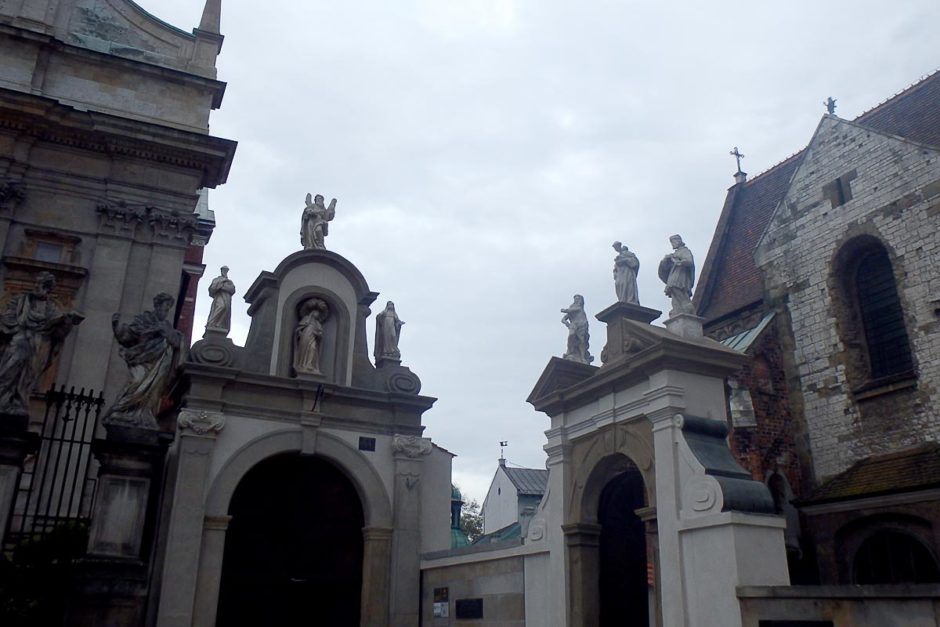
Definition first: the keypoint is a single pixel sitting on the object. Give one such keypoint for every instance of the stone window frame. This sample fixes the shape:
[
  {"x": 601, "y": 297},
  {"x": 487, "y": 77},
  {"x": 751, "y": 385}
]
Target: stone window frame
[{"x": 845, "y": 294}]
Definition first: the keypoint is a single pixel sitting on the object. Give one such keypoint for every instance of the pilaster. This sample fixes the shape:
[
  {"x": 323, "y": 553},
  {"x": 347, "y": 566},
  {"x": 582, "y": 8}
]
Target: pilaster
[{"x": 409, "y": 452}]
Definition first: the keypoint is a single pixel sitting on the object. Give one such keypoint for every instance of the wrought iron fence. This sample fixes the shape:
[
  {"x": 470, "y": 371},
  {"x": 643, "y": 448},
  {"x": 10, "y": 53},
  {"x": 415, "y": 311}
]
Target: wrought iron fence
[{"x": 55, "y": 486}]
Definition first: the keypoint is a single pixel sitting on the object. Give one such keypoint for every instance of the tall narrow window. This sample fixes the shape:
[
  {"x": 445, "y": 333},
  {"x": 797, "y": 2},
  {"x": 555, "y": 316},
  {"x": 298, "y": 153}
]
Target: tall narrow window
[{"x": 881, "y": 315}]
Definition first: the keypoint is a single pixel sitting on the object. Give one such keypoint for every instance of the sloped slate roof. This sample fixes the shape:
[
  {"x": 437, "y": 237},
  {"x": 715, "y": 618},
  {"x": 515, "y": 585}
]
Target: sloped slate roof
[
  {"x": 901, "y": 471},
  {"x": 528, "y": 481},
  {"x": 730, "y": 279}
]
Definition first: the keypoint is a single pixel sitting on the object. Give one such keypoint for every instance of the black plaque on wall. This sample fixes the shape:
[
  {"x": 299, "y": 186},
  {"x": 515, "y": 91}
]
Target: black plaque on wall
[{"x": 469, "y": 608}]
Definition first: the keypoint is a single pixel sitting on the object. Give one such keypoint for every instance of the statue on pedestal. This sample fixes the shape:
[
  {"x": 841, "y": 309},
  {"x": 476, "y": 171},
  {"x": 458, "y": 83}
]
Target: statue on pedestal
[
  {"x": 578, "y": 338},
  {"x": 150, "y": 346},
  {"x": 677, "y": 271},
  {"x": 626, "y": 265},
  {"x": 308, "y": 336},
  {"x": 220, "y": 313},
  {"x": 32, "y": 330},
  {"x": 314, "y": 225},
  {"x": 387, "y": 332}
]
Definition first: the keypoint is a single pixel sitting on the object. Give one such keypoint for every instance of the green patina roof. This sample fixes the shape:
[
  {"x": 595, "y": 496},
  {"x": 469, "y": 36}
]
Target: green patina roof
[{"x": 458, "y": 539}]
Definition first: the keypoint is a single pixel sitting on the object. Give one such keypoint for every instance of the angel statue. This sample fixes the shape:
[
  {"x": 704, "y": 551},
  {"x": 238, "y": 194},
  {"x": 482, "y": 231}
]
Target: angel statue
[{"x": 314, "y": 225}]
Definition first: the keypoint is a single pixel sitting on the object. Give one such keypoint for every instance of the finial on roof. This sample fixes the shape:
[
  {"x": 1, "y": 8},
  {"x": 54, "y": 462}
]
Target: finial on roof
[
  {"x": 740, "y": 176},
  {"x": 502, "y": 460},
  {"x": 830, "y": 105},
  {"x": 211, "y": 17}
]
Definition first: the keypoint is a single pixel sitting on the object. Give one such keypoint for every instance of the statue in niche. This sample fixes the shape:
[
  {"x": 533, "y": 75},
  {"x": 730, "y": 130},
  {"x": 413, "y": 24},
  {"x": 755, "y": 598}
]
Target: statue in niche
[
  {"x": 220, "y": 313},
  {"x": 32, "y": 330},
  {"x": 677, "y": 271},
  {"x": 626, "y": 265},
  {"x": 387, "y": 332},
  {"x": 314, "y": 225},
  {"x": 151, "y": 347},
  {"x": 578, "y": 338},
  {"x": 308, "y": 336}
]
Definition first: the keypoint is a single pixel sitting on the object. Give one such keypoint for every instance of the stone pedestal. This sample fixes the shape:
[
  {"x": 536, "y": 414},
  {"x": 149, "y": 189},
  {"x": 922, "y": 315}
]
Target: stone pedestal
[
  {"x": 111, "y": 586},
  {"x": 15, "y": 445},
  {"x": 685, "y": 325}
]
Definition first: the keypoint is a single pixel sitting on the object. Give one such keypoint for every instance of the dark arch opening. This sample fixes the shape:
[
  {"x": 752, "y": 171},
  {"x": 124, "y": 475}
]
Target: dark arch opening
[
  {"x": 624, "y": 579},
  {"x": 891, "y": 557},
  {"x": 293, "y": 550}
]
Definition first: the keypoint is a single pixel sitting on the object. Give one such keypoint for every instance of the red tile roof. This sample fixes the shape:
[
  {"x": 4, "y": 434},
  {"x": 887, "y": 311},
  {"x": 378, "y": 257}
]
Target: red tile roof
[{"x": 730, "y": 279}]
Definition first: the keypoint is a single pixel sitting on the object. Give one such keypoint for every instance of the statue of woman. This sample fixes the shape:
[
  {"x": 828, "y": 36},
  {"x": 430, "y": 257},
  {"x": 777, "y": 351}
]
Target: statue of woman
[
  {"x": 32, "y": 330},
  {"x": 387, "y": 332},
  {"x": 150, "y": 346},
  {"x": 626, "y": 265},
  {"x": 578, "y": 338},
  {"x": 308, "y": 336},
  {"x": 220, "y": 313}
]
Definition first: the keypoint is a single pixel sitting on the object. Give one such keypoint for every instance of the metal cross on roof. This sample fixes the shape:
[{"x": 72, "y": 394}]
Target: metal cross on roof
[
  {"x": 737, "y": 156},
  {"x": 830, "y": 105}
]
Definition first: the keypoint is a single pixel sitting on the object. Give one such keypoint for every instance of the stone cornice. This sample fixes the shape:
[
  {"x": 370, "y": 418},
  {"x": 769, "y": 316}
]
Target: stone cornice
[
  {"x": 704, "y": 357},
  {"x": 50, "y": 121}
]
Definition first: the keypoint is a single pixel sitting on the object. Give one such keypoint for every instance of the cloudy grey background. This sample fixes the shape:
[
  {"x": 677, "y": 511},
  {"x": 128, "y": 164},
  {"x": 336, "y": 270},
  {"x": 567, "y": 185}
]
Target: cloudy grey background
[{"x": 485, "y": 154}]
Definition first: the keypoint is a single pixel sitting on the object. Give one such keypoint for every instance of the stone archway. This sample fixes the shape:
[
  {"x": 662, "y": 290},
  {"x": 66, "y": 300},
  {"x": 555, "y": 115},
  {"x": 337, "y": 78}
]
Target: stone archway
[
  {"x": 293, "y": 549},
  {"x": 610, "y": 468},
  {"x": 376, "y": 510}
]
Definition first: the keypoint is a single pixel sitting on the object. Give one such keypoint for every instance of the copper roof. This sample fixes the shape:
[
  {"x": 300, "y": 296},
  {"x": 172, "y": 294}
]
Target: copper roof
[{"x": 730, "y": 279}]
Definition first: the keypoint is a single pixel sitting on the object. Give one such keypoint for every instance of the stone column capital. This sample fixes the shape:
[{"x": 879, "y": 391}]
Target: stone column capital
[
  {"x": 410, "y": 446},
  {"x": 200, "y": 422}
]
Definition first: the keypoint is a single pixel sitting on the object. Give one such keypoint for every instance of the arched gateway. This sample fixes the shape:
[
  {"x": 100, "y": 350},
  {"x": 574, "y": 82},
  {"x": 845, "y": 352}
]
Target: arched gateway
[{"x": 300, "y": 479}]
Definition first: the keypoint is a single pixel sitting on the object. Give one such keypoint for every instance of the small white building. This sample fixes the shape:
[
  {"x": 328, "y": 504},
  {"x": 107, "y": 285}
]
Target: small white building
[{"x": 513, "y": 497}]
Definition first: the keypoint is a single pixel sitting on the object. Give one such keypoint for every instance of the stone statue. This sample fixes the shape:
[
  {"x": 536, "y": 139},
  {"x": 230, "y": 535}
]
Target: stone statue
[
  {"x": 151, "y": 347},
  {"x": 314, "y": 225},
  {"x": 387, "y": 332},
  {"x": 626, "y": 265},
  {"x": 677, "y": 271},
  {"x": 220, "y": 313},
  {"x": 578, "y": 338},
  {"x": 32, "y": 329},
  {"x": 308, "y": 336}
]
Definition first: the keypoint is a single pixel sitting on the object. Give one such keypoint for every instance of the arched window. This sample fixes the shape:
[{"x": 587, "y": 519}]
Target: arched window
[
  {"x": 890, "y": 557},
  {"x": 869, "y": 314},
  {"x": 881, "y": 315}
]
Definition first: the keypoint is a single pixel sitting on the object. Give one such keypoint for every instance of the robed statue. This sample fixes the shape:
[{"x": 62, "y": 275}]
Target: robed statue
[
  {"x": 387, "y": 332},
  {"x": 314, "y": 225},
  {"x": 308, "y": 336},
  {"x": 32, "y": 330},
  {"x": 677, "y": 271},
  {"x": 150, "y": 346},
  {"x": 578, "y": 337},
  {"x": 626, "y": 265},
  {"x": 221, "y": 291}
]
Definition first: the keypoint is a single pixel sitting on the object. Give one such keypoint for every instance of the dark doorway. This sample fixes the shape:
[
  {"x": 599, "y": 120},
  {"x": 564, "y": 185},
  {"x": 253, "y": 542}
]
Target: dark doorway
[
  {"x": 624, "y": 591},
  {"x": 293, "y": 550}
]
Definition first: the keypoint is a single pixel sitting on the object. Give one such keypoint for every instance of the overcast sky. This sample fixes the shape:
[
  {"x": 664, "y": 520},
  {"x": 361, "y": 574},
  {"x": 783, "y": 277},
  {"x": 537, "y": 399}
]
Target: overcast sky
[{"x": 486, "y": 153}]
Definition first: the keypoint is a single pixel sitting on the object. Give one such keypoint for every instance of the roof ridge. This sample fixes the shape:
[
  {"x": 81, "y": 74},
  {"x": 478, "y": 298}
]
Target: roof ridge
[
  {"x": 775, "y": 166},
  {"x": 906, "y": 91}
]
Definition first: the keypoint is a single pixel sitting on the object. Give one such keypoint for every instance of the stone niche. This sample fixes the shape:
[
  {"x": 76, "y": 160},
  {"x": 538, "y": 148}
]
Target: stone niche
[{"x": 275, "y": 300}]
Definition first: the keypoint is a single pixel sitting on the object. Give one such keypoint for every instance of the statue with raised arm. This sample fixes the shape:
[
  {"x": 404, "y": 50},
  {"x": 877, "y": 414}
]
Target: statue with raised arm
[
  {"x": 387, "y": 332},
  {"x": 220, "y": 313},
  {"x": 626, "y": 265},
  {"x": 308, "y": 336},
  {"x": 314, "y": 225},
  {"x": 32, "y": 330},
  {"x": 677, "y": 271},
  {"x": 150, "y": 346},
  {"x": 578, "y": 337}
]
